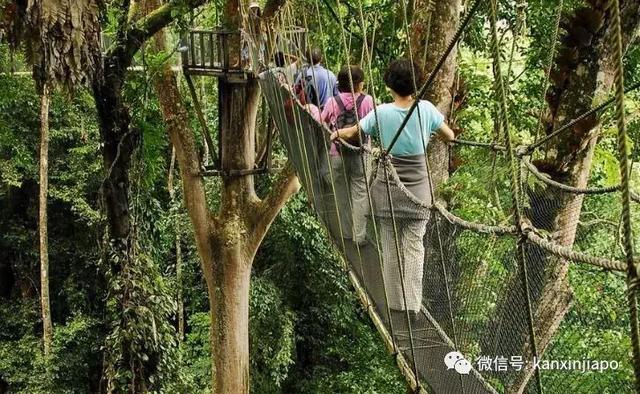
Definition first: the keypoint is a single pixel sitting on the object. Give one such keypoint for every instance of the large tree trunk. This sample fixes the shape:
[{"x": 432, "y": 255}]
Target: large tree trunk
[
  {"x": 119, "y": 144},
  {"x": 444, "y": 21},
  {"x": 227, "y": 241},
  {"x": 232, "y": 235},
  {"x": 583, "y": 74},
  {"x": 47, "y": 326}
]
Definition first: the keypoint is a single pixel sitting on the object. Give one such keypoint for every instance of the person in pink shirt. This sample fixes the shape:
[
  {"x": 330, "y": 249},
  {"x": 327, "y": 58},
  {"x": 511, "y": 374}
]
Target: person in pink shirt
[
  {"x": 348, "y": 169},
  {"x": 337, "y": 105},
  {"x": 314, "y": 111}
]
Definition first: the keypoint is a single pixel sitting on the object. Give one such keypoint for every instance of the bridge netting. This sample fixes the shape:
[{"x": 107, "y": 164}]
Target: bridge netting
[{"x": 472, "y": 299}]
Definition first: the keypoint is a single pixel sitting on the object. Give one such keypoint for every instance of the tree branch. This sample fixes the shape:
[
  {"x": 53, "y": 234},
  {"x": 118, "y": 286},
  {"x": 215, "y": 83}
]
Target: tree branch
[
  {"x": 147, "y": 26},
  {"x": 285, "y": 186}
]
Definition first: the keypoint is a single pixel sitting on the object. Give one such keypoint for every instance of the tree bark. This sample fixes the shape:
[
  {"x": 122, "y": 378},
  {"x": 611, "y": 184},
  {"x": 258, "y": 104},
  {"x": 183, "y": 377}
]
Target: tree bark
[
  {"x": 47, "y": 326},
  {"x": 227, "y": 240},
  {"x": 583, "y": 75},
  {"x": 119, "y": 144},
  {"x": 444, "y": 21}
]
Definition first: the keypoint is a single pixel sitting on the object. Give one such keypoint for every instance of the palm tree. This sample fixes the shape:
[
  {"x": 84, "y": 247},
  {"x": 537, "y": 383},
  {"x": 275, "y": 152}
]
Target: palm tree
[{"x": 62, "y": 41}]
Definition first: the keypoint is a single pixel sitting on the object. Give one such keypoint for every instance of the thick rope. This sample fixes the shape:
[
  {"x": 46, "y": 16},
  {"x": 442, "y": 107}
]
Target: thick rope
[
  {"x": 489, "y": 145},
  {"x": 627, "y": 232},
  {"x": 571, "y": 189},
  {"x": 477, "y": 227},
  {"x": 572, "y": 255}
]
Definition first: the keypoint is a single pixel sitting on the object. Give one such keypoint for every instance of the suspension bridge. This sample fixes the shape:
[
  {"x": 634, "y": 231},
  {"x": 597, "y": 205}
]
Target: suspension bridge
[{"x": 499, "y": 296}]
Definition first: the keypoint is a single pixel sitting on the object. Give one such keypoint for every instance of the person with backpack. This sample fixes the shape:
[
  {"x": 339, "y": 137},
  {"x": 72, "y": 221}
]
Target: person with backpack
[
  {"x": 285, "y": 68},
  {"x": 344, "y": 110},
  {"x": 408, "y": 163},
  {"x": 315, "y": 84}
]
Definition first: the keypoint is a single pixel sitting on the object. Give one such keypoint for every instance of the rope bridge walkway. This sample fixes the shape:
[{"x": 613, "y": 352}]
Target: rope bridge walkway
[
  {"x": 489, "y": 291},
  {"x": 496, "y": 300},
  {"x": 459, "y": 295}
]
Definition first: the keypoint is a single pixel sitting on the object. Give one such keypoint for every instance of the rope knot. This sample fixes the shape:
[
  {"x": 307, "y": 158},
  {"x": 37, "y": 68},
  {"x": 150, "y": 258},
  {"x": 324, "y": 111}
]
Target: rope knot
[{"x": 380, "y": 154}]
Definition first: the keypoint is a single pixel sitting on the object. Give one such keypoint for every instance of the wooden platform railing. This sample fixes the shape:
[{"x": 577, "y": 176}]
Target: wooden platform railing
[{"x": 206, "y": 52}]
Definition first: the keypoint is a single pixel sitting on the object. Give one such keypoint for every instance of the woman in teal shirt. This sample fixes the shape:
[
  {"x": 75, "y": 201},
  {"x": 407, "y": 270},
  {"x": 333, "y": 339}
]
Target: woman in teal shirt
[{"x": 408, "y": 161}]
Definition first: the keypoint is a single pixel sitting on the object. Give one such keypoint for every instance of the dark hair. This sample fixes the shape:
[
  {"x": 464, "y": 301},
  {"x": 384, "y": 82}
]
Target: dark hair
[
  {"x": 314, "y": 56},
  {"x": 278, "y": 58},
  {"x": 344, "y": 84},
  {"x": 399, "y": 77}
]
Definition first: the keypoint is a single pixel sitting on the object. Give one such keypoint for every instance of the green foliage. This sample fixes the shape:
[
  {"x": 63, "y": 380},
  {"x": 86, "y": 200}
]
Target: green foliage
[
  {"x": 72, "y": 360},
  {"x": 337, "y": 349},
  {"x": 272, "y": 337},
  {"x": 77, "y": 286},
  {"x": 271, "y": 346},
  {"x": 141, "y": 341},
  {"x": 197, "y": 351}
]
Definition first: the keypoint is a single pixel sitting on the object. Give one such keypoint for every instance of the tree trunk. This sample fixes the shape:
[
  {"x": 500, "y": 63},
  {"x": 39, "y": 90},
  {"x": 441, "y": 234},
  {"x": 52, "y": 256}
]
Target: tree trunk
[
  {"x": 47, "y": 326},
  {"x": 178, "y": 245},
  {"x": 444, "y": 21},
  {"x": 227, "y": 241},
  {"x": 119, "y": 144},
  {"x": 583, "y": 75}
]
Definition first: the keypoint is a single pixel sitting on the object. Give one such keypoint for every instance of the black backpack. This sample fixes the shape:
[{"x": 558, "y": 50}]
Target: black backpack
[
  {"x": 306, "y": 88},
  {"x": 347, "y": 118}
]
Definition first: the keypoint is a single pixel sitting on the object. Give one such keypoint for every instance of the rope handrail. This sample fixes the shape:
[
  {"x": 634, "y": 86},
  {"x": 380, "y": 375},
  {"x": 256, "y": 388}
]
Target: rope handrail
[
  {"x": 577, "y": 119},
  {"x": 530, "y": 235},
  {"x": 313, "y": 161},
  {"x": 489, "y": 145},
  {"x": 550, "y": 246},
  {"x": 573, "y": 255},
  {"x": 479, "y": 227},
  {"x": 572, "y": 189}
]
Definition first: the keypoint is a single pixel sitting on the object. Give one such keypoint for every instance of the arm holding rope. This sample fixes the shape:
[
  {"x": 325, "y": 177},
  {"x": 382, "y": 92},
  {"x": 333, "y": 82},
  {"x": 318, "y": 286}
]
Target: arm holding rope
[
  {"x": 346, "y": 133},
  {"x": 445, "y": 133}
]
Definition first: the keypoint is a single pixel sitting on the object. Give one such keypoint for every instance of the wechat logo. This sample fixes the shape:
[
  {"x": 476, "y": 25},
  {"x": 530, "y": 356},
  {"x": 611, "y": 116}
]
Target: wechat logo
[{"x": 455, "y": 360}]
